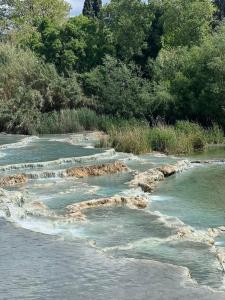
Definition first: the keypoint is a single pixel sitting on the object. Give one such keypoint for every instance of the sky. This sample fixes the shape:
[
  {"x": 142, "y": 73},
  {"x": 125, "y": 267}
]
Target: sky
[{"x": 77, "y": 6}]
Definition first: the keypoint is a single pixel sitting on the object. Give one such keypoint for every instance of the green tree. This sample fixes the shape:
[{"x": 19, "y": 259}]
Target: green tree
[
  {"x": 92, "y": 8},
  {"x": 186, "y": 23},
  {"x": 80, "y": 44},
  {"x": 29, "y": 87},
  {"x": 190, "y": 82},
  {"x": 119, "y": 89},
  {"x": 21, "y": 17},
  {"x": 129, "y": 22},
  {"x": 220, "y": 12}
]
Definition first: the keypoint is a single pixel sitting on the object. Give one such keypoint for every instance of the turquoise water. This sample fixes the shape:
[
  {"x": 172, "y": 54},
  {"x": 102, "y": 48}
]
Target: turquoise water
[
  {"x": 197, "y": 197},
  {"x": 9, "y": 139},
  {"x": 42, "y": 151},
  {"x": 114, "y": 251}
]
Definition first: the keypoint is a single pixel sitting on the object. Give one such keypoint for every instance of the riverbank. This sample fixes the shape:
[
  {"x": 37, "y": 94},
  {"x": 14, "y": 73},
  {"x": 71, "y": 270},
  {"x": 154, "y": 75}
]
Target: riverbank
[{"x": 132, "y": 135}]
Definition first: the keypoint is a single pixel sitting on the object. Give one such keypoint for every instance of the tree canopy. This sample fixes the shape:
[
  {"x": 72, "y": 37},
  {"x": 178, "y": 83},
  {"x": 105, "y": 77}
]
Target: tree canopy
[
  {"x": 19, "y": 18},
  {"x": 92, "y": 8},
  {"x": 127, "y": 58}
]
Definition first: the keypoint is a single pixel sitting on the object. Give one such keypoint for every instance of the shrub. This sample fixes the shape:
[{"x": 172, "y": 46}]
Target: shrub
[
  {"x": 68, "y": 121},
  {"x": 215, "y": 135},
  {"x": 118, "y": 89},
  {"x": 193, "y": 133},
  {"x": 188, "y": 127},
  {"x": 131, "y": 136},
  {"x": 163, "y": 139},
  {"x": 130, "y": 139},
  {"x": 29, "y": 87}
]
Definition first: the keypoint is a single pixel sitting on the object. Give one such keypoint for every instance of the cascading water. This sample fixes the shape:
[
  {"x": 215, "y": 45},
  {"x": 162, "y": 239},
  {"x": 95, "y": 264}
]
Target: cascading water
[{"x": 167, "y": 237}]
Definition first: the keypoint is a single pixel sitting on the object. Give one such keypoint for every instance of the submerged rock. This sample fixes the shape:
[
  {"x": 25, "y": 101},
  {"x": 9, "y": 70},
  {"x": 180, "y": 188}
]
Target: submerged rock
[
  {"x": 9, "y": 200},
  {"x": 15, "y": 198},
  {"x": 97, "y": 170},
  {"x": 148, "y": 180},
  {"x": 76, "y": 215},
  {"x": 184, "y": 231},
  {"x": 220, "y": 254},
  {"x": 19, "y": 205},
  {"x": 13, "y": 180},
  {"x": 38, "y": 209},
  {"x": 75, "y": 210},
  {"x": 213, "y": 232},
  {"x": 201, "y": 236}
]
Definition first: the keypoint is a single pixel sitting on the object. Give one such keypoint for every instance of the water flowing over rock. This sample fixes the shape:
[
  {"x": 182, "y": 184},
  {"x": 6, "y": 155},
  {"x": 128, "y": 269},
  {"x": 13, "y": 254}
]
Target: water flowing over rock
[
  {"x": 38, "y": 208},
  {"x": 15, "y": 198},
  {"x": 76, "y": 210},
  {"x": 77, "y": 215},
  {"x": 61, "y": 161},
  {"x": 208, "y": 161},
  {"x": 169, "y": 170},
  {"x": 25, "y": 141},
  {"x": 9, "y": 201},
  {"x": 13, "y": 180},
  {"x": 149, "y": 179},
  {"x": 97, "y": 170},
  {"x": 20, "y": 205},
  {"x": 188, "y": 233},
  {"x": 220, "y": 253},
  {"x": 93, "y": 137},
  {"x": 214, "y": 232}
]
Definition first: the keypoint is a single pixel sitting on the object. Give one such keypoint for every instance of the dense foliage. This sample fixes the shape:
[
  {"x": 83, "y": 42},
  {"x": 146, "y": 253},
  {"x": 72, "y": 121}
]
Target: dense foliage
[
  {"x": 156, "y": 60},
  {"x": 92, "y": 8},
  {"x": 29, "y": 87},
  {"x": 117, "y": 86},
  {"x": 194, "y": 80}
]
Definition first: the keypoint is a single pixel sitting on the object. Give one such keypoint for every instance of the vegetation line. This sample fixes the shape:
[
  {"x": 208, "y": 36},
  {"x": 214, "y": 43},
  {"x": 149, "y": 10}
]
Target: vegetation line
[
  {"x": 133, "y": 136},
  {"x": 117, "y": 67}
]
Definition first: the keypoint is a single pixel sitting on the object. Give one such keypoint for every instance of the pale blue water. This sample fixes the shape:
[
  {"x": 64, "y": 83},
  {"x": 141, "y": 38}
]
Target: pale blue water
[
  {"x": 197, "y": 197},
  {"x": 45, "y": 258},
  {"x": 42, "y": 151},
  {"x": 9, "y": 139}
]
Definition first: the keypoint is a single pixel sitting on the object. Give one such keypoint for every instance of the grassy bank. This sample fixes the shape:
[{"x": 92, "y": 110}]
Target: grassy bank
[
  {"x": 184, "y": 137},
  {"x": 71, "y": 120},
  {"x": 133, "y": 136}
]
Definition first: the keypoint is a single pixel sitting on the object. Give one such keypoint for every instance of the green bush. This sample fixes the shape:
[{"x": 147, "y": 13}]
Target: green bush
[
  {"x": 28, "y": 87},
  {"x": 130, "y": 139},
  {"x": 163, "y": 139},
  {"x": 193, "y": 134},
  {"x": 188, "y": 127},
  {"x": 119, "y": 89},
  {"x": 215, "y": 135},
  {"x": 68, "y": 121}
]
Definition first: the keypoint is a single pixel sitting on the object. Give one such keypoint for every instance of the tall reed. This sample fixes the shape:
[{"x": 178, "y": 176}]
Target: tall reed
[{"x": 133, "y": 136}]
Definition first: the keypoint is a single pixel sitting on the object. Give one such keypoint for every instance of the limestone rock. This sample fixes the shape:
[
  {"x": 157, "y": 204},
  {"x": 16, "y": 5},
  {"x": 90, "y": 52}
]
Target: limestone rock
[
  {"x": 213, "y": 232},
  {"x": 97, "y": 170},
  {"x": 76, "y": 215},
  {"x": 13, "y": 180},
  {"x": 148, "y": 180},
  {"x": 221, "y": 228},
  {"x": 76, "y": 210},
  {"x": 168, "y": 170},
  {"x": 184, "y": 232}
]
